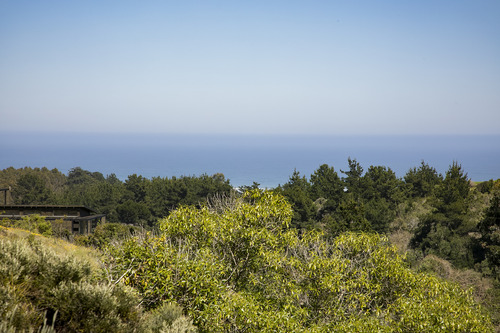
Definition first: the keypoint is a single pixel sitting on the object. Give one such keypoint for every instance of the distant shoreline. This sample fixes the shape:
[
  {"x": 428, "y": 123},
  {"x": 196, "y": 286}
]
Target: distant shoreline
[{"x": 243, "y": 159}]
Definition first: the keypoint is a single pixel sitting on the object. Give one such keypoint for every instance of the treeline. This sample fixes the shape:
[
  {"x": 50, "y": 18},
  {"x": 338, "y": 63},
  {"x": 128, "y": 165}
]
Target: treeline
[
  {"x": 452, "y": 223},
  {"x": 136, "y": 200}
]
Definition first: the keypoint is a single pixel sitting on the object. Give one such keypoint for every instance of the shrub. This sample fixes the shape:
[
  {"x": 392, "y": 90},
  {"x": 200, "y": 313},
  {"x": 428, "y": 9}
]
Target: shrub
[
  {"x": 168, "y": 318},
  {"x": 44, "y": 228},
  {"x": 86, "y": 307},
  {"x": 105, "y": 233},
  {"x": 36, "y": 284},
  {"x": 240, "y": 268}
]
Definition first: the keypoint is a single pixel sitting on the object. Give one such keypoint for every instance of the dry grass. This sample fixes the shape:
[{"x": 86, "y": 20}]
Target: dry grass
[
  {"x": 57, "y": 245},
  {"x": 400, "y": 239},
  {"x": 408, "y": 214}
]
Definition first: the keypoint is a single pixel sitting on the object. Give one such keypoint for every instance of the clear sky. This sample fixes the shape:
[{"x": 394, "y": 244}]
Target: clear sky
[{"x": 253, "y": 67}]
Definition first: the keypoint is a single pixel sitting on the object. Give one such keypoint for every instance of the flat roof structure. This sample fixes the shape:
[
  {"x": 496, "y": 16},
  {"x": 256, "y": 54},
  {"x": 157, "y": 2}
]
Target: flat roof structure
[{"x": 80, "y": 219}]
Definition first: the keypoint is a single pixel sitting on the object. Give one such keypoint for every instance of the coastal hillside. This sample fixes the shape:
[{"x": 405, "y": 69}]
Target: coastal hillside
[
  {"x": 232, "y": 264},
  {"x": 208, "y": 250}
]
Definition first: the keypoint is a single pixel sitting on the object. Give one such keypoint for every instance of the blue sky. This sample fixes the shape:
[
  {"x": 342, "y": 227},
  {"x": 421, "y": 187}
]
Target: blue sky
[{"x": 253, "y": 67}]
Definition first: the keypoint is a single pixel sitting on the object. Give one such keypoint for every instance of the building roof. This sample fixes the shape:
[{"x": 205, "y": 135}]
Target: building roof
[{"x": 48, "y": 206}]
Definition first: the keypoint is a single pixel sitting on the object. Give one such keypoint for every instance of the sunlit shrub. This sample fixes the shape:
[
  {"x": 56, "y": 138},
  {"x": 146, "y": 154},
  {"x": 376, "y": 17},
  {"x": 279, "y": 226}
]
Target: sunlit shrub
[
  {"x": 168, "y": 318},
  {"x": 106, "y": 233},
  {"x": 239, "y": 268},
  {"x": 88, "y": 307},
  {"x": 37, "y": 285}
]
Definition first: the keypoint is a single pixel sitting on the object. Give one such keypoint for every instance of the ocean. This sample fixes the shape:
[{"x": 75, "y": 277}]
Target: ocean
[{"x": 244, "y": 159}]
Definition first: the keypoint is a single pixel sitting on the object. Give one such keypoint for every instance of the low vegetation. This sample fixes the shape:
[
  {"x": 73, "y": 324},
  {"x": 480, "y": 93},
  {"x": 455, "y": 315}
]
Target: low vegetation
[
  {"x": 239, "y": 267},
  {"x": 49, "y": 285}
]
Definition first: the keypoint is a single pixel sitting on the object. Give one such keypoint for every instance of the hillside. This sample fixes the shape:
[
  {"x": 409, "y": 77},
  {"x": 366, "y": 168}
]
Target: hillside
[
  {"x": 231, "y": 266},
  {"x": 49, "y": 285}
]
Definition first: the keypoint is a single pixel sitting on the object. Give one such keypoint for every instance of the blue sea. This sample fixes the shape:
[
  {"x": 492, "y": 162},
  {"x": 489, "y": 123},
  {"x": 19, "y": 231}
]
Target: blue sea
[{"x": 244, "y": 159}]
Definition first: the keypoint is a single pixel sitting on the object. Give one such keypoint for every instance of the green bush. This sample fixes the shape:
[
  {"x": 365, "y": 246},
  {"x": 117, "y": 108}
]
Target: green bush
[
  {"x": 239, "y": 268},
  {"x": 33, "y": 223},
  {"x": 106, "y": 233},
  {"x": 167, "y": 318},
  {"x": 44, "y": 228},
  {"x": 87, "y": 307},
  {"x": 37, "y": 285},
  {"x": 486, "y": 186}
]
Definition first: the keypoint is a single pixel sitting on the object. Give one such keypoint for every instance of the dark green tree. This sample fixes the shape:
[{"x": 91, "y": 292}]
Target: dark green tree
[
  {"x": 328, "y": 188},
  {"x": 454, "y": 192},
  {"x": 103, "y": 197},
  {"x": 445, "y": 231},
  {"x": 325, "y": 183},
  {"x": 31, "y": 189},
  {"x": 244, "y": 188},
  {"x": 349, "y": 216},
  {"x": 164, "y": 195},
  {"x": 78, "y": 176},
  {"x": 489, "y": 228},
  {"x": 296, "y": 191},
  {"x": 133, "y": 212},
  {"x": 353, "y": 180},
  {"x": 382, "y": 192},
  {"x": 137, "y": 188},
  {"x": 113, "y": 180},
  {"x": 421, "y": 182},
  {"x": 199, "y": 188},
  {"x": 382, "y": 182}
]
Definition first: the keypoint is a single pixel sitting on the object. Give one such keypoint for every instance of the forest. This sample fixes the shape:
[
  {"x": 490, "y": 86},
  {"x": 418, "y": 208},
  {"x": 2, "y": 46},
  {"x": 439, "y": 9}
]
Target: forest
[{"x": 335, "y": 251}]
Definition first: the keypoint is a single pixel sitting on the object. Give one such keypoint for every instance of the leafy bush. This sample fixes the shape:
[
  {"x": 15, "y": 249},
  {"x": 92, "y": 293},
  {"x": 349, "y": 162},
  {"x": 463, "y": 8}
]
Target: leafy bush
[
  {"x": 168, "y": 318},
  {"x": 105, "y": 233},
  {"x": 36, "y": 283},
  {"x": 44, "y": 228},
  {"x": 239, "y": 268},
  {"x": 87, "y": 307},
  {"x": 33, "y": 223},
  {"x": 486, "y": 186}
]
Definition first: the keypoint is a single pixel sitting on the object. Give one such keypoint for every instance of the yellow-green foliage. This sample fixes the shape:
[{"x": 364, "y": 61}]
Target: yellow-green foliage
[
  {"x": 168, "y": 318},
  {"x": 37, "y": 284},
  {"x": 34, "y": 223},
  {"x": 239, "y": 268},
  {"x": 106, "y": 233},
  {"x": 49, "y": 285}
]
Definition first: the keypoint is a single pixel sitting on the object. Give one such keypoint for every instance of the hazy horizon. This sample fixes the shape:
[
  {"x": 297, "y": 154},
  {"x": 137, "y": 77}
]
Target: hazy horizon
[
  {"x": 266, "y": 159},
  {"x": 222, "y": 67}
]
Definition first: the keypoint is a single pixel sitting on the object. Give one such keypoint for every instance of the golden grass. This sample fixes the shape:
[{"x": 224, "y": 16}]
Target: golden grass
[{"x": 57, "y": 245}]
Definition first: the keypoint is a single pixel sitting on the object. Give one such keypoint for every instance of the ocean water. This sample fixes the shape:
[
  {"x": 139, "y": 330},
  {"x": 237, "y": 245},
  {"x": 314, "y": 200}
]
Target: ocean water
[{"x": 267, "y": 160}]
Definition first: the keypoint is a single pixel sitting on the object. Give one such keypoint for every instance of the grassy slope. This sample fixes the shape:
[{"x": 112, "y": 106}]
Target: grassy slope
[
  {"x": 41, "y": 273},
  {"x": 59, "y": 246}
]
